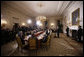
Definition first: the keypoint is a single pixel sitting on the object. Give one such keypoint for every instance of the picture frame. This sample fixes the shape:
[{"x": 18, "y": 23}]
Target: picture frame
[{"x": 75, "y": 17}]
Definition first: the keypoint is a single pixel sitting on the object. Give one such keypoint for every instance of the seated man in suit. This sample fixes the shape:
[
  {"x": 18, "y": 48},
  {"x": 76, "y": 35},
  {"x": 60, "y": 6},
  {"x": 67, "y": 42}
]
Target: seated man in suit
[
  {"x": 45, "y": 38},
  {"x": 28, "y": 33}
]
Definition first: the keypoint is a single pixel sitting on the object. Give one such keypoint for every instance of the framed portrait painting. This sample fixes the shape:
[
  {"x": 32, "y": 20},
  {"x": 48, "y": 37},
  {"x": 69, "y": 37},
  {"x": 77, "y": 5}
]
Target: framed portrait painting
[{"x": 75, "y": 17}]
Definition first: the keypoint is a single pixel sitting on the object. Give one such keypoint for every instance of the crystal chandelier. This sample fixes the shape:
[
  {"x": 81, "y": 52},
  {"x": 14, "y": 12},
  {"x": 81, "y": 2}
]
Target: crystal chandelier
[{"x": 41, "y": 18}]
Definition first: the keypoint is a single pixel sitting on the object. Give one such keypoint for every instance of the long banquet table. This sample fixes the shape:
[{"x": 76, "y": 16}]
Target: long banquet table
[{"x": 38, "y": 35}]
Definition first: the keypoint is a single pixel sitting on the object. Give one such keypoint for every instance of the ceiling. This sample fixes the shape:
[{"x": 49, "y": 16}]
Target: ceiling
[{"x": 36, "y": 8}]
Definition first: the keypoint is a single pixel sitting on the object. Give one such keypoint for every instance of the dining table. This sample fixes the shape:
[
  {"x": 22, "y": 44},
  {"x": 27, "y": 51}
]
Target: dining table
[{"x": 39, "y": 36}]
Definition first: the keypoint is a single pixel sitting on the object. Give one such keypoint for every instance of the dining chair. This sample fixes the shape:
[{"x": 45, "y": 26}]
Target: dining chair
[
  {"x": 32, "y": 46},
  {"x": 46, "y": 44},
  {"x": 20, "y": 45},
  {"x": 32, "y": 43}
]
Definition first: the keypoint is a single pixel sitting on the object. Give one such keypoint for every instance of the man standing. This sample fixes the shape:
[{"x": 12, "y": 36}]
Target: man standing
[
  {"x": 67, "y": 30},
  {"x": 58, "y": 32},
  {"x": 79, "y": 33}
]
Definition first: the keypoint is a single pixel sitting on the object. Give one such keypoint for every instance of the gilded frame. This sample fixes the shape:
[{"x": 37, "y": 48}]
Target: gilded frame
[{"x": 75, "y": 16}]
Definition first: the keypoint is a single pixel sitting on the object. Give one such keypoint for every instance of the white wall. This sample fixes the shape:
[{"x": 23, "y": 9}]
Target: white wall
[
  {"x": 68, "y": 13},
  {"x": 53, "y": 20},
  {"x": 8, "y": 13}
]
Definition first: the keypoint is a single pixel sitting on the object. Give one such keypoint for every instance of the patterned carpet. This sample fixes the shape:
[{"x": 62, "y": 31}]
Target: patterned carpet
[{"x": 63, "y": 46}]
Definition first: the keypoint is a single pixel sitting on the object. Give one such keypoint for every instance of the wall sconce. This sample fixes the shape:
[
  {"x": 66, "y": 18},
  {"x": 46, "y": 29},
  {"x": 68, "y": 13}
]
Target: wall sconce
[
  {"x": 52, "y": 24},
  {"x": 3, "y": 21},
  {"x": 23, "y": 24}
]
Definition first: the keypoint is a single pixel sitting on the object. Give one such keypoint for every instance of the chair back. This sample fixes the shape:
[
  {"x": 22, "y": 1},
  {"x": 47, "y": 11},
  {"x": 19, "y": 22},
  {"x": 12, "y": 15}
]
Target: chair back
[
  {"x": 32, "y": 43},
  {"x": 48, "y": 41},
  {"x": 18, "y": 41}
]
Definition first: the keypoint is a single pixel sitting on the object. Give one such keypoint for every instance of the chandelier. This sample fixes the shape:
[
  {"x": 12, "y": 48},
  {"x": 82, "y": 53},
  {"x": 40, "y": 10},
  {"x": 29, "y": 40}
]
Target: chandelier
[{"x": 41, "y": 18}]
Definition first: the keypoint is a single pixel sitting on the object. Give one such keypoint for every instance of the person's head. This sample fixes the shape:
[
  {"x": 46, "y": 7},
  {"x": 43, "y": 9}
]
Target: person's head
[
  {"x": 21, "y": 32},
  {"x": 79, "y": 26}
]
